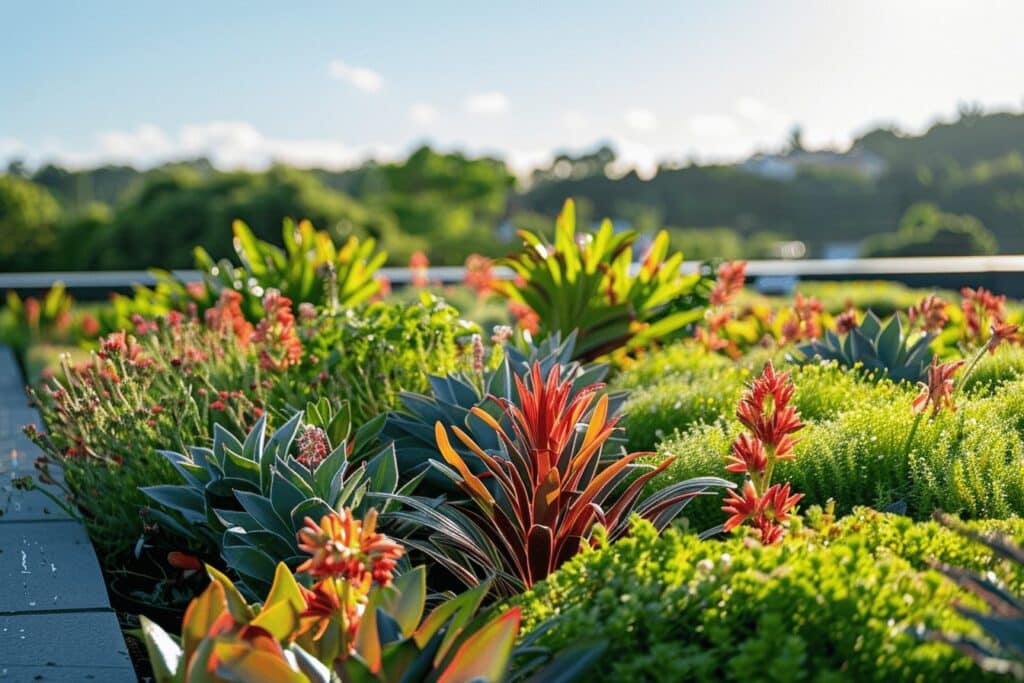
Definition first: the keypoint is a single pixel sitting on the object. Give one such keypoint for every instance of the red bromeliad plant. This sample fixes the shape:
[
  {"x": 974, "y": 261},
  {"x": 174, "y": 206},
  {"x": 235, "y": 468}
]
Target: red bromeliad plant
[
  {"x": 543, "y": 490},
  {"x": 771, "y": 421}
]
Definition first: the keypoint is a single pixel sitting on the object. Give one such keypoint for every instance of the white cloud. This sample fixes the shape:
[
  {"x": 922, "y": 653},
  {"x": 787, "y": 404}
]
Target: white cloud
[
  {"x": 487, "y": 103},
  {"x": 641, "y": 119},
  {"x": 633, "y": 156},
  {"x": 713, "y": 125},
  {"x": 360, "y": 77},
  {"x": 423, "y": 114},
  {"x": 144, "y": 142},
  {"x": 757, "y": 112}
]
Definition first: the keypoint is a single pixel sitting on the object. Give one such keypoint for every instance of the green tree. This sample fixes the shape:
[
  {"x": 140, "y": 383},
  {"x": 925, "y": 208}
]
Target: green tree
[
  {"x": 925, "y": 230},
  {"x": 28, "y": 223}
]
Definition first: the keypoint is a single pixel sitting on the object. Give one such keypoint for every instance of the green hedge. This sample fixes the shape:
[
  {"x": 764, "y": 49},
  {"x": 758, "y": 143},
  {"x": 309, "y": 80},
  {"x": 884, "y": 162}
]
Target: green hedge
[{"x": 834, "y": 605}]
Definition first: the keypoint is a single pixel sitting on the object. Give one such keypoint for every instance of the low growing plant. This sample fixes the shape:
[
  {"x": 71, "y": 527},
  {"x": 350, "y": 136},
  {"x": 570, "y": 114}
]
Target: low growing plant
[{"x": 835, "y": 604}]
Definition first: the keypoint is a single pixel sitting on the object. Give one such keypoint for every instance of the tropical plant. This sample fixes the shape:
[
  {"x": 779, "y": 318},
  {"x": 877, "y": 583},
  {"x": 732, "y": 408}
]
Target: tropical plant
[
  {"x": 876, "y": 347},
  {"x": 585, "y": 282},
  {"x": 553, "y": 483},
  {"x": 453, "y": 396},
  {"x": 248, "y": 499},
  {"x": 357, "y": 623},
  {"x": 310, "y": 269},
  {"x": 1002, "y": 649}
]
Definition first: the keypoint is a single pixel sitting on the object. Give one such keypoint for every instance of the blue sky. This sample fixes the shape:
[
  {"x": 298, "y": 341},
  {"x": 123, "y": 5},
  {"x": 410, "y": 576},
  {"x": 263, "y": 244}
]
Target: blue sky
[{"x": 331, "y": 83}]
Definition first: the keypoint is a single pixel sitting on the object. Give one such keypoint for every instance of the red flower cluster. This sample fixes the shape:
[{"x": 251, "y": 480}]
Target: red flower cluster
[
  {"x": 980, "y": 305},
  {"x": 731, "y": 276},
  {"x": 938, "y": 392},
  {"x": 805, "y": 319},
  {"x": 929, "y": 313},
  {"x": 313, "y": 446},
  {"x": 711, "y": 339},
  {"x": 280, "y": 346},
  {"x": 846, "y": 321},
  {"x": 771, "y": 421}
]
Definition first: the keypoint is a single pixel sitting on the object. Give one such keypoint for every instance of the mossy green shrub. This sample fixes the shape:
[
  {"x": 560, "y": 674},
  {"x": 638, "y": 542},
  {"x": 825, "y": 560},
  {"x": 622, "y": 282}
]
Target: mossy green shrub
[
  {"x": 970, "y": 462},
  {"x": 673, "y": 391},
  {"x": 1005, "y": 365},
  {"x": 831, "y": 606}
]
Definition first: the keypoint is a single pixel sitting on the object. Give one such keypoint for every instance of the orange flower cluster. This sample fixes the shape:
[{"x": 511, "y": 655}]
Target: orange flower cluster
[
  {"x": 226, "y": 317},
  {"x": 347, "y": 555},
  {"x": 525, "y": 316},
  {"x": 343, "y": 546},
  {"x": 771, "y": 421},
  {"x": 418, "y": 264},
  {"x": 711, "y": 339},
  {"x": 276, "y": 334},
  {"x": 929, "y": 313},
  {"x": 479, "y": 274},
  {"x": 731, "y": 276},
  {"x": 805, "y": 320}
]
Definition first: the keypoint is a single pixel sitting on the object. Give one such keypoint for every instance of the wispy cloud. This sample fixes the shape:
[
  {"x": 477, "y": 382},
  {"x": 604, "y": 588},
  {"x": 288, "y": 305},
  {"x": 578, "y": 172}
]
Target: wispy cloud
[
  {"x": 359, "y": 77},
  {"x": 487, "y": 103},
  {"x": 641, "y": 119},
  {"x": 574, "y": 121},
  {"x": 423, "y": 114}
]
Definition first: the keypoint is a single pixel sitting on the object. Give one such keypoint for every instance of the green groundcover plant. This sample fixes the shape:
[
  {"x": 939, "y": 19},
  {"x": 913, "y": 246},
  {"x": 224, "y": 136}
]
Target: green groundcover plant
[
  {"x": 869, "y": 453},
  {"x": 833, "y": 602}
]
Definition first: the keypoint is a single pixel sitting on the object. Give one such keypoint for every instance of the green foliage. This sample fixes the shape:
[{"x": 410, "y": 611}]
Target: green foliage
[
  {"x": 965, "y": 462},
  {"x": 924, "y": 230},
  {"x": 706, "y": 244},
  {"x": 834, "y": 605},
  {"x": 585, "y": 283},
  {"x": 374, "y": 353},
  {"x": 28, "y": 219},
  {"x": 248, "y": 499},
  {"x": 995, "y": 369},
  {"x": 880, "y": 349}
]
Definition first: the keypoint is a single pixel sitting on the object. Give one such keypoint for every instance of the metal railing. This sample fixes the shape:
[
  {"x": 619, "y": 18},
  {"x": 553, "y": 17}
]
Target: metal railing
[{"x": 1004, "y": 274}]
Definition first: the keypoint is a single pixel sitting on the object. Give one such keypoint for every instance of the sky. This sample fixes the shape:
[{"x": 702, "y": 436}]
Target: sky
[{"x": 331, "y": 84}]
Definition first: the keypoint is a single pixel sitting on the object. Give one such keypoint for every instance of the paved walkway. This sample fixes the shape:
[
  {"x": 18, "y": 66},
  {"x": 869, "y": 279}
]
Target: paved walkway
[{"x": 56, "y": 623}]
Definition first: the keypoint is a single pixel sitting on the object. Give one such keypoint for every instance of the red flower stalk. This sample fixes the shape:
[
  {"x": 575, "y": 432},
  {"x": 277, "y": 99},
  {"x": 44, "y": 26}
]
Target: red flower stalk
[
  {"x": 731, "y": 276},
  {"x": 938, "y": 392},
  {"x": 982, "y": 310},
  {"x": 929, "y": 313},
  {"x": 765, "y": 410}
]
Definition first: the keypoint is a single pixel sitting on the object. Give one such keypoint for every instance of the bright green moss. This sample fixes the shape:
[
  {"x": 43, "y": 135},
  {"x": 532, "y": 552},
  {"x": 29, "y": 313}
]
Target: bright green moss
[{"x": 838, "y": 604}]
